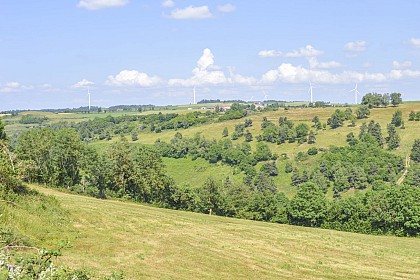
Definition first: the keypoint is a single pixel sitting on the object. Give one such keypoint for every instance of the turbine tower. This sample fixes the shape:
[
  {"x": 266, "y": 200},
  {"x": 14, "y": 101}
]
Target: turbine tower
[
  {"x": 310, "y": 90},
  {"x": 194, "y": 96},
  {"x": 89, "y": 98},
  {"x": 356, "y": 92}
]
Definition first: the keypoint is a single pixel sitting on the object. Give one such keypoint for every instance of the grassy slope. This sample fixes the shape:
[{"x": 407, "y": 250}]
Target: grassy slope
[
  {"x": 185, "y": 171},
  {"x": 154, "y": 243}
]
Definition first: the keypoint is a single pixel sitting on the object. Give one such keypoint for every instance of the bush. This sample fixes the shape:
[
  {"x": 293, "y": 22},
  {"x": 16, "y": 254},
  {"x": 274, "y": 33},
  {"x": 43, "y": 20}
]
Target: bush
[{"x": 312, "y": 151}]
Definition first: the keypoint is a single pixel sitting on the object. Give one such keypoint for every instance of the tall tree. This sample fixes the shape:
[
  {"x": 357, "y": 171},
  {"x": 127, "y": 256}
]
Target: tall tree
[
  {"x": 415, "y": 151},
  {"x": 395, "y": 98},
  {"x": 2, "y": 130},
  {"x": 309, "y": 206}
]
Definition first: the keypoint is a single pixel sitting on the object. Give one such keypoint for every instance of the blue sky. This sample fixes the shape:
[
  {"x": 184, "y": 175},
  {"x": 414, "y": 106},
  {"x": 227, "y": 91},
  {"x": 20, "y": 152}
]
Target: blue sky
[{"x": 143, "y": 51}]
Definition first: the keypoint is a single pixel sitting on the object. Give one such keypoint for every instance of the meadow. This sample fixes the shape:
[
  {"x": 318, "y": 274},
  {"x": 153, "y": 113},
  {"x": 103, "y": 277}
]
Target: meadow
[{"x": 152, "y": 243}]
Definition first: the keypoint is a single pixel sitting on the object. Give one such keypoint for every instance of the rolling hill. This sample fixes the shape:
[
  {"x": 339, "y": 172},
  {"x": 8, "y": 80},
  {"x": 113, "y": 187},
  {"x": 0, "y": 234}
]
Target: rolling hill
[{"x": 152, "y": 243}]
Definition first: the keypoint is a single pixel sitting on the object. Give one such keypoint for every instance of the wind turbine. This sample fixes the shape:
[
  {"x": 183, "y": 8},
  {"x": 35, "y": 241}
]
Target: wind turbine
[
  {"x": 310, "y": 90},
  {"x": 356, "y": 92},
  {"x": 194, "y": 95},
  {"x": 89, "y": 98},
  {"x": 265, "y": 96},
  {"x": 249, "y": 100}
]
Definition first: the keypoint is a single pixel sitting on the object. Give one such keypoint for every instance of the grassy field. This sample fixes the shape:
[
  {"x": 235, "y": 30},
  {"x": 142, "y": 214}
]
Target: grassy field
[{"x": 153, "y": 243}]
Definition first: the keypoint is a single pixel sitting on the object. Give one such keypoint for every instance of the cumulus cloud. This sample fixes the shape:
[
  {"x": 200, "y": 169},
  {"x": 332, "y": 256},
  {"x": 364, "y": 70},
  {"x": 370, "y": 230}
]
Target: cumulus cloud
[
  {"x": 101, "y": 4},
  {"x": 13, "y": 87},
  {"x": 401, "y": 65},
  {"x": 270, "y": 53},
  {"x": 83, "y": 83},
  {"x": 168, "y": 4},
  {"x": 289, "y": 73},
  {"x": 190, "y": 12},
  {"x": 314, "y": 63},
  {"x": 356, "y": 46},
  {"x": 308, "y": 51},
  {"x": 206, "y": 73},
  {"x": 133, "y": 78},
  {"x": 415, "y": 42},
  {"x": 399, "y": 74},
  {"x": 228, "y": 8}
]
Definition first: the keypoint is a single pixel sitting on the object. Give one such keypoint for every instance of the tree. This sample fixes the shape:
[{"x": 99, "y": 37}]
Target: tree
[
  {"x": 362, "y": 112},
  {"x": 397, "y": 118},
  {"x": 315, "y": 120},
  {"x": 412, "y": 116},
  {"x": 302, "y": 130},
  {"x": 262, "y": 152},
  {"x": 270, "y": 168},
  {"x": 393, "y": 140},
  {"x": 335, "y": 120},
  {"x": 288, "y": 167},
  {"x": 2, "y": 130},
  {"x": 248, "y": 122},
  {"x": 248, "y": 136},
  {"x": 395, "y": 98},
  {"x": 312, "y": 151},
  {"x": 351, "y": 139},
  {"x": 415, "y": 151},
  {"x": 225, "y": 132},
  {"x": 309, "y": 206},
  {"x": 134, "y": 136},
  {"x": 311, "y": 137}
]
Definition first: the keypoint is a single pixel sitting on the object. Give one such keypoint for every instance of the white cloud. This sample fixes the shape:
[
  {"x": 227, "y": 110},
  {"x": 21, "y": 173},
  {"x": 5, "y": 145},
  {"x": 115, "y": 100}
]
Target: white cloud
[
  {"x": 308, "y": 51},
  {"x": 190, "y": 12},
  {"x": 205, "y": 73},
  {"x": 228, "y": 8},
  {"x": 399, "y": 74},
  {"x": 401, "y": 65},
  {"x": 82, "y": 83},
  {"x": 270, "y": 53},
  {"x": 415, "y": 42},
  {"x": 289, "y": 73},
  {"x": 356, "y": 46},
  {"x": 14, "y": 87},
  {"x": 100, "y": 4},
  {"x": 314, "y": 63},
  {"x": 133, "y": 78},
  {"x": 168, "y": 4}
]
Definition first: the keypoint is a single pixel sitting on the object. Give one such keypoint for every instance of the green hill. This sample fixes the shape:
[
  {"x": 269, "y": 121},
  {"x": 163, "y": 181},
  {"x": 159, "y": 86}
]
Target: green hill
[{"x": 152, "y": 243}]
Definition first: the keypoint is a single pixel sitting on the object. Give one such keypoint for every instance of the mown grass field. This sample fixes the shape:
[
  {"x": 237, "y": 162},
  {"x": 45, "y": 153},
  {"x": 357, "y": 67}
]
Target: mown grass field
[{"x": 152, "y": 243}]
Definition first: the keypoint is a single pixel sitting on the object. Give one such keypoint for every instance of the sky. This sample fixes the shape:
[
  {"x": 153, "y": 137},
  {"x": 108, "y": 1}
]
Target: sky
[{"x": 156, "y": 52}]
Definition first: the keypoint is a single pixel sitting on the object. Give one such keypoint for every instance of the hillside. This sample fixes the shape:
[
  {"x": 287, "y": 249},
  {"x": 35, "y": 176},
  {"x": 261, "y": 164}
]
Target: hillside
[
  {"x": 153, "y": 243},
  {"x": 213, "y": 130}
]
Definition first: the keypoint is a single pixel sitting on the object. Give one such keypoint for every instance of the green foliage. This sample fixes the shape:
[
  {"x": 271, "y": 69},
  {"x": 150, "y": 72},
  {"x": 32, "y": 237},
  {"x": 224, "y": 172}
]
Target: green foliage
[
  {"x": 362, "y": 112},
  {"x": 376, "y": 100},
  {"x": 270, "y": 168},
  {"x": 309, "y": 206},
  {"x": 2, "y": 131},
  {"x": 336, "y": 119},
  {"x": 412, "y": 116},
  {"x": 51, "y": 157},
  {"x": 415, "y": 151},
  {"x": 397, "y": 119},
  {"x": 396, "y": 98},
  {"x": 393, "y": 139},
  {"x": 359, "y": 166},
  {"x": 225, "y": 132},
  {"x": 32, "y": 119},
  {"x": 312, "y": 151}
]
